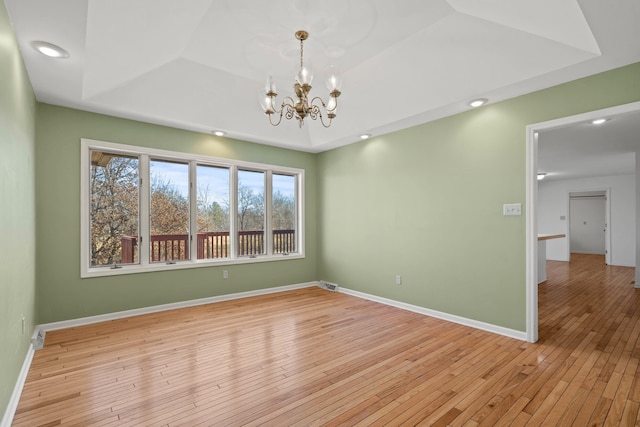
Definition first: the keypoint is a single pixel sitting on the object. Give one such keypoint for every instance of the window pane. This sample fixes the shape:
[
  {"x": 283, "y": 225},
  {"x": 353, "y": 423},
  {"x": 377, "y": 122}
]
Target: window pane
[
  {"x": 283, "y": 213},
  {"x": 213, "y": 212},
  {"x": 250, "y": 213},
  {"x": 113, "y": 209},
  {"x": 169, "y": 211}
]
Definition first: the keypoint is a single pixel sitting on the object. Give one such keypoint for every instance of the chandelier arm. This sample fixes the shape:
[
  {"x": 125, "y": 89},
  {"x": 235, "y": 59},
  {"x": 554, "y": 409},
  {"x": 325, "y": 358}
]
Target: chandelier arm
[
  {"x": 273, "y": 105},
  {"x": 324, "y": 105},
  {"x": 325, "y": 125},
  {"x": 321, "y": 103},
  {"x": 316, "y": 112},
  {"x": 289, "y": 111},
  {"x": 291, "y": 102},
  {"x": 322, "y": 120},
  {"x": 313, "y": 112},
  {"x": 279, "y": 119}
]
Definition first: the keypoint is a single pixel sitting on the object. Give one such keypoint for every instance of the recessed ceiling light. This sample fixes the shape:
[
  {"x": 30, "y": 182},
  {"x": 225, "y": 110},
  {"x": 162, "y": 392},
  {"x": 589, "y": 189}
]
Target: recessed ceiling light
[
  {"x": 598, "y": 121},
  {"x": 541, "y": 176},
  {"x": 219, "y": 133},
  {"x": 478, "y": 102},
  {"x": 49, "y": 49},
  {"x": 365, "y": 136}
]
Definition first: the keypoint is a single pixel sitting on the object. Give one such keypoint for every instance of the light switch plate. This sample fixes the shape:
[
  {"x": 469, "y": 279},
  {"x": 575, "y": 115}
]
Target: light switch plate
[{"x": 512, "y": 209}]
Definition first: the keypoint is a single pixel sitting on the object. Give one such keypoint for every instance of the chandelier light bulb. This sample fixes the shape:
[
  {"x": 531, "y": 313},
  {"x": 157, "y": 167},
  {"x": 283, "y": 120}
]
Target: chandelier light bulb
[
  {"x": 270, "y": 86},
  {"x": 332, "y": 104},
  {"x": 266, "y": 102},
  {"x": 334, "y": 81},
  {"x": 304, "y": 76}
]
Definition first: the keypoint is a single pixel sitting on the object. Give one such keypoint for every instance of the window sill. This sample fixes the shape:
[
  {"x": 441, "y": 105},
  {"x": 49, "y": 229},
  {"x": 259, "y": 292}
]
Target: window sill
[{"x": 181, "y": 265}]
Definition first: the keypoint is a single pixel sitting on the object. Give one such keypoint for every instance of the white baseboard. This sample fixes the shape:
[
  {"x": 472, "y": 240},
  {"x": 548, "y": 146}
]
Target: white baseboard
[
  {"x": 64, "y": 324},
  {"x": 10, "y": 410},
  {"x": 511, "y": 333}
]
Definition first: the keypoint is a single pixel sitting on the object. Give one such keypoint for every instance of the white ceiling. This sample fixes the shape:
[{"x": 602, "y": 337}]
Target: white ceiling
[
  {"x": 583, "y": 149},
  {"x": 201, "y": 64}
]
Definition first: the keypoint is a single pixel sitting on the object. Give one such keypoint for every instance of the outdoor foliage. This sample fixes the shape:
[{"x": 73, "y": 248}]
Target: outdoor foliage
[
  {"x": 169, "y": 210},
  {"x": 114, "y": 207}
]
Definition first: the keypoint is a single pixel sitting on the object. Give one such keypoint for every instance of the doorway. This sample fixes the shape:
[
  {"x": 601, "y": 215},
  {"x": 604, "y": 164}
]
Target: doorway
[{"x": 531, "y": 202}]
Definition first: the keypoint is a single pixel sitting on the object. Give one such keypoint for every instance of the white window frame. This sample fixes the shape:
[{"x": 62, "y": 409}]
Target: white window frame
[{"x": 144, "y": 154}]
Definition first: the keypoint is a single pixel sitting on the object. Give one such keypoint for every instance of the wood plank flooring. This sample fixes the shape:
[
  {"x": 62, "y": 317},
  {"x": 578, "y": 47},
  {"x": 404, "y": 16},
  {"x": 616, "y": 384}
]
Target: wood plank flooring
[{"x": 311, "y": 357}]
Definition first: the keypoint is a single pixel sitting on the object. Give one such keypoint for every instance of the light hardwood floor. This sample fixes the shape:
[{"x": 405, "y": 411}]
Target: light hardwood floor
[{"x": 312, "y": 357}]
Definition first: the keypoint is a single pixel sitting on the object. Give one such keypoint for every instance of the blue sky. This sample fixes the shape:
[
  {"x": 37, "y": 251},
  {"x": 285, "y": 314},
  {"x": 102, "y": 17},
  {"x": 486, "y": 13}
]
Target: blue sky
[{"x": 217, "y": 179}]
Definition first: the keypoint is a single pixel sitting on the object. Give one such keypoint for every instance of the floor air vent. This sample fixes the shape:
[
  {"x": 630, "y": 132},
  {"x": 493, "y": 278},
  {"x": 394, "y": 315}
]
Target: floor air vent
[
  {"x": 38, "y": 340},
  {"x": 329, "y": 286}
]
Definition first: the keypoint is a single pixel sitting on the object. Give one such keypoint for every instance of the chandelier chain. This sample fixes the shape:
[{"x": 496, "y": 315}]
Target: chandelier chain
[{"x": 301, "y": 53}]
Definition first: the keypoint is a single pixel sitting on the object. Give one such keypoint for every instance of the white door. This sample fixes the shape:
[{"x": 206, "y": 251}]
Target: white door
[{"x": 588, "y": 224}]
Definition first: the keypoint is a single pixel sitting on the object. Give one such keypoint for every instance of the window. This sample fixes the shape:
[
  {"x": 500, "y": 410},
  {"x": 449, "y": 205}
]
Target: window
[
  {"x": 283, "y": 213},
  {"x": 251, "y": 213},
  {"x": 169, "y": 211},
  {"x": 113, "y": 208},
  {"x": 146, "y": 210},
  {"x": 213, "y": 212}
]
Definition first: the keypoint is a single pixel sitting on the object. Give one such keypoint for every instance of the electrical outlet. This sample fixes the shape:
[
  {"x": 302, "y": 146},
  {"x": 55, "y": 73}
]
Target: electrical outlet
[
  {"x": 398, "y": 279},
  {"x": 225, "y": 274},
  {"x": 24, "y": 325}
]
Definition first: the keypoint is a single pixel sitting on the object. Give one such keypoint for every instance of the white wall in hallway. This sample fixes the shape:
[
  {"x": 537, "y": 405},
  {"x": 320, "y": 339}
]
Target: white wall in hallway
[{"x": 553, "y": 203}]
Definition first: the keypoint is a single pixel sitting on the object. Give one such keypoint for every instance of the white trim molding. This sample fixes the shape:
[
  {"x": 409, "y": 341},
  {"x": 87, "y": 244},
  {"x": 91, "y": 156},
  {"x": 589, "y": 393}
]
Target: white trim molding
[
  {"x": 10, "y": 410},
  {"x": 488, "y": 327},
  {"x": 64, "y": 324}
]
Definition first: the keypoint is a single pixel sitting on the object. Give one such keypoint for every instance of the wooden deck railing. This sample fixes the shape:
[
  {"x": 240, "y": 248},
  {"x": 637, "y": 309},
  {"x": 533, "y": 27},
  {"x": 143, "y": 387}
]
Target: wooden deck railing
[
  {"x": 284, "y": 241},
  {"x": 210, "y": 245},
  {"x": 169, "y": 247}
]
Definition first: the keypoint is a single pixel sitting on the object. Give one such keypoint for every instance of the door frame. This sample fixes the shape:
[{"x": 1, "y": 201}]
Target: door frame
[{"x": 531, "y": 220}]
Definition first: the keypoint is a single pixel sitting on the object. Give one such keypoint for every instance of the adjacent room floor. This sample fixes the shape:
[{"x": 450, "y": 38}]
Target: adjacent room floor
[{"x": 313, "y": 357}]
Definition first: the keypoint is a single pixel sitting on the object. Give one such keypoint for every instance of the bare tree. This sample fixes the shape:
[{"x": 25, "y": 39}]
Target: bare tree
[
  {"x": 212, "y": 216},
  {"x": 114, "y": 207},
  {"x": 283, "y": 211},
  {"x": 250, "y": 208}
]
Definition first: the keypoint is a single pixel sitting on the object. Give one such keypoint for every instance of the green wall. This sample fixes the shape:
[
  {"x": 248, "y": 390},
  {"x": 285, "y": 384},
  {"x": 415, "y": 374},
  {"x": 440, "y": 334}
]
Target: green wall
[
  {"x": 426, "y": 203},
  {"x": 67, "y": 296},
  {"x": 17, "y": 211}
]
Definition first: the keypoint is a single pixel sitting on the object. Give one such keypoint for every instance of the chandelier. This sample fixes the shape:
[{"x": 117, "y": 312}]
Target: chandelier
[{"x": 300, "y": 106}]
